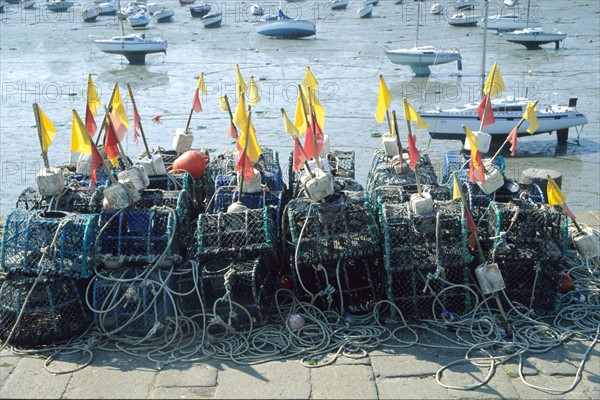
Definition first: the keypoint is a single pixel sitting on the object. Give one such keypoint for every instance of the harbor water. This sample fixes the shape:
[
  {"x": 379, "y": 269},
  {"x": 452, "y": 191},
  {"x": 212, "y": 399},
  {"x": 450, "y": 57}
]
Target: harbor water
[{"x": 45, "y": 57}]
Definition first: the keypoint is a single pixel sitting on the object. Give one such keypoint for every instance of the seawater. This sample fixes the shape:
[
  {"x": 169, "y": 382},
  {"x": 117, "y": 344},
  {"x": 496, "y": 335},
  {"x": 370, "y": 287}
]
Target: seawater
[{"x": 45, "y": 57}]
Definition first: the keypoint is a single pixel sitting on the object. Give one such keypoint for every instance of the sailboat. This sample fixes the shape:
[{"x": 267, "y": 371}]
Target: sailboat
[
  {"x": 133, "y": 46},
  {"x": 420, "y": 58},
  {"x": 511, "y": 22},
  {"x": 533, "y": 37},
  {"x": 447, "y": 123},
  {"x": 284, "y": 27}
]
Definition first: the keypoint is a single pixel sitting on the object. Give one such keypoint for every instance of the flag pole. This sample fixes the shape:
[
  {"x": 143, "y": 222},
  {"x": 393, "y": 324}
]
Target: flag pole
[
  {"x": 400, "y": 150},
  {"x": 141, "y": 128},
  {"x": 244, "y": 154},
  {"x": 417, "y": 179},
  {"x": 506, "y": 140},
  {"x": 504, "y": 320},
  {"x": 187, "y": 125},
  {"x": 102, "y": 126},
  {"x": 317, "y": 161},
  {"x": 125, "y": 160},
  {"x": 36, "y": 113},
  {"x": 305, "y": 163},
  {"x": 230, "y": 113}
]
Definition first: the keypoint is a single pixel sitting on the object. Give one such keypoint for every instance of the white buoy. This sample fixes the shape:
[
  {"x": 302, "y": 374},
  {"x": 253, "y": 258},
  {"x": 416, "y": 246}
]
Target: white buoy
[
  {"x": 318, "y": 186},
  {"x": 587, "y": 243},
  {"x": 237, "y": 207},
  {"x": 485, "y": 140},
  {"x": 182, "y": 141},
  {"x": 388, "y": 142},
  {"x": 252, "y": 185},
  {"x": 489, "y": 278},
  {"x": 118, "y": 196},
  {"x": 135, "y": 177},
  {"x": 421, "y": 204},
  {"x": 84, "y": 165},
  {"x": 50, "y": 181},
  {"x": 153, "y": 166},
  {"x": 493, "y": 178}
]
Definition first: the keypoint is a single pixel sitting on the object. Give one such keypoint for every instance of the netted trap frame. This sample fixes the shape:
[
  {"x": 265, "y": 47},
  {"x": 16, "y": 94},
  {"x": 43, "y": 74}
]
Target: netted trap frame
[
  {"x": 137, "y": 236},
  {"x": 197, "y": 189},
  {"x": 341, "y": 165},
  {"x": 132, "y": 301},
  {"x": 228, "y": 284},
  {"x": 80, "y": 201},
  {"x": 381, "y": 172},
  {"x": 54, "y": 312},
  {"x": 401, "y": 194},
  {"x": 31, "y": 199},
  {"x": 52, "y": 242},
  {"x": 522, "y": 232},
  {"x": 343, "y": 227},
  {"x": 479, "y": 202},
  {"x": 249, "y": 233}
]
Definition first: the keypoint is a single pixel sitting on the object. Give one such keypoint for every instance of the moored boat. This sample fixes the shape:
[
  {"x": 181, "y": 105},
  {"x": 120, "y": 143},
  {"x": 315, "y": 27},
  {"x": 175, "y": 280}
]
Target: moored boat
[
  {"x": 212, "y": 20},
  {"x": 164, "y": 15},
  {"x": 366, "y": 11},
  {"x": 133, "y": 46},
  {"x": 90, "y": 13},
  {"x": 463, "y": 20},
  {"x": 200, "y": 10},
  {"x": 59, "y": 5},
  {"x": 338, "y": 4}
]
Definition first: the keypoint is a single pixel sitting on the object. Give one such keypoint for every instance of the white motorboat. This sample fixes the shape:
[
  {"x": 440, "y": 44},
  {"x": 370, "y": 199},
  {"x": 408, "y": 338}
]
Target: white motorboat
[
  {"x": 510, "y": 22},
  {"x": 284, "y": 27},
  {"x": 107, "y": 8},
  {"x": 59, "y": 5},
  {"x": 256, "y": 9},
  {"x": 511, "y": 3},
  {"x": 163, "y": 15},
  {"x": 533, "y": 38},
  {"x": 141, "y": 19},
  {"x": 28, "y": 4},
  {"x": 366, "y": 11},
  {"x": 460, "y": 5},
  {"x": 463, "y": 20},
  {"x": 436, "y": 8},
  {"x": 338, "y": 4},
  {"x": 212, "y": 20},
  {"x": 133, "y": 46},
  {"x": 90, "y": 12}
]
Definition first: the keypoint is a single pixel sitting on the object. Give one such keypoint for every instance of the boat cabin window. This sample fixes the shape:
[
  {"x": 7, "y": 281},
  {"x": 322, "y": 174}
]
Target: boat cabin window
[{"x": 508, "y": 108}]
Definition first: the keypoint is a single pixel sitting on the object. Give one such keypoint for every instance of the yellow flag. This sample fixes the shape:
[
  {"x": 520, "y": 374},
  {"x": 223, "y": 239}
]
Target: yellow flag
[
  {"x": 310, "y": 87},
  {"x": 47, "y": 129},
  {"x": 300, "y": 115},
  {"x": 241, "y": 84},
  {"x": 289, "y": 126},
  {"x": 240, "y": 119},
  {"x": 494, "y": 84},
  {"x": 93, "y": 100},
  {"x": 474, "y": 143},
  {"x": 118, "y": 107},
  {"x": 253, "y": 93},
  {"x": 384, "y": 100},
  {"x": 456, "y": 190},
  {"x": 555, "y": 195},
  {"x": 530, "y": 116},
  {"x": 80, "y": 140},
  {"x": 201, "y": 85},
  {"x": 411, "y": 115},
  {"x": 223, "y": 103}
]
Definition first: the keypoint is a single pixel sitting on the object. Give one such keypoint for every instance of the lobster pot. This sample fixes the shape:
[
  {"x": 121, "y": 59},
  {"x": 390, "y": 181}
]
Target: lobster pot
[
  {"x": 342, "y": 163},
  {"x": 410, "y": 241},
  {"x": 527, "y": 232},
  {"x": 247, "y": 282},
  {"x": 135, "y": 177},
  {"x": 407, "y": 289},
  {"x": 535, "y": 285},
  {"x": 249, "y": 233},
  {"x": 168, "y": 157},
  {"x": 66, "y": 239},
  {"x": 84, "y": 181},
  {"x": 50, "y": 181},
  {"x": 177, "y": 200},
  {"x": 31, "y": 199},
  {"x": 196, "y": 188},
  {"x": 459, "y": 163},
  {"x": 382, "y": 173},
  {"x": 133, "y": 302},
  {"x": 401, "y": 194},
  {"x": 80, "y": 201},
  {"x": 56, "y": 310},
  {"x": 511, "y": 191},
  {"x": 84, "y": 165},
  {"x": 182, "y": 141},
  {"x": 351, "y": 285},
  {"x": 341, "y": 228},
  {"x": 137, "y": 237}
]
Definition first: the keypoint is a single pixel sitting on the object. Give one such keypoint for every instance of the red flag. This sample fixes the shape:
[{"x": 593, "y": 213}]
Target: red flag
[
  {"x": 96, "y": 162},
  {"x": 136, "y": 125},
  {"x": 512, "y": 139},
  {"x": 196, "y": 105},
  {"x": 476, "y": 171},
  {"x": 244, "y": 162},
  {"x": 111, "y": 143},
  {"x": 90, "y": 124},
  {"x": 232, "y": 131},
  {"x": 300, "y": 156},
  {"x": 471, "y": 228},
  {"x": 486, "y": 113},
  {"x": 120, "y": 128},
  {"x": 413, "y": 152},
  {"x": 309, "y": 140}
]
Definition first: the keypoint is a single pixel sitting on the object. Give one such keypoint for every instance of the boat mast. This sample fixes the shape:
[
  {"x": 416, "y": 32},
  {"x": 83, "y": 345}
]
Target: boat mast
[
  {"x": 418, "y": 19},
  {"x": 527, "y": 20},
  {"x": 119, "y": 17},
  {"x": 485, "y": 25}
]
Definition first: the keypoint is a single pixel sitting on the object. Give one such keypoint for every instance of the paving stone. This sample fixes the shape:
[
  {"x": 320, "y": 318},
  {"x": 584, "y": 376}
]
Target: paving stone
[
  {"x": 29, "y": 379},
  {"x": 182, "y": 393},
  {"x": 271, "y": 380},
  {"x": 410, "y": 388},
  {"x": 411, "y": 362},
  {"x": 188, "y": 375},
  {"x": 8, "y": 362},
  {"x": 109, "y": 382},
  {"x": 343, "y": 382},
  {"x": 465, "y": 375},
  {"x": 553, "y": 382}
]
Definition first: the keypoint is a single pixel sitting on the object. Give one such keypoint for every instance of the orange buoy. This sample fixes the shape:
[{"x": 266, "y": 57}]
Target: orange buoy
[
  {"x": 193, "y": 162},
  {"x": 566, "y": 283}
]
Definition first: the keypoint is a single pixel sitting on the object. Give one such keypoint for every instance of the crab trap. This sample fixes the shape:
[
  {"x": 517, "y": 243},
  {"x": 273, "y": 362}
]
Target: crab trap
[
  {"x": 382, "y": 173},
  {"x": 182, "y": 181},
  {"x": 133, "y": 301},
  {"x": 31, "y": 199},
  {"x": 49, "y": 242},
  {"x": 42, "y": 310},
  {"x": 341, "y": 164},
  {"x": 413, "y": 242},
  {"x": 237, "y": 292},
  {"x": 459, "y": 163},
  {"x": 225, "y": 197},
  {"x": 510, "y": 192},
  {"x": 84, "y": 181},
  {"x": 521, "y": 232},
  {"x": 80, "y": 201},
  {"x": 249, "y": 233},
  {"x": 138, "y": 237},
  {"x": 343, "y": 227},
  {"x": 401, "y": 194},
  {"x": 348, "y": 285}
]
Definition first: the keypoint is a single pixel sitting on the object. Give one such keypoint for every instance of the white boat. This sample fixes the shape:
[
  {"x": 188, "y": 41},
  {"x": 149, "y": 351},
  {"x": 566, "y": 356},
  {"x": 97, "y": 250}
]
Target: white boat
[
  {"x": 420, "y": 58},
  {"x": 59, "y": 5},
  {"x": 256, "y": 9},
  {"x": 154, "y": 7},
  {"x": 28, "y": 4},
  {"x": 90, "y": 12},
  {"x": 163, "y": 15},
  {"x": 200, "y": 10},
  {"x": 285, "y": 27},
  {"x": 367, "y": 2},
  {"x": 107, "y": 8},
  {"x": 338, "y": 4},
  {"x": 464, "y": 5},
  {"x": 128, "y": 10},
  {"x": 212, "y": 20},
  {"x": 141, "y": 19},
  {"x": 533, "y": 38},
  {"x": 366, "y": 11},
  {"x": 133, "y": 46},
  {"x": 511, "y": 3},
  {"x": 510, "y": 22},
  {"x": 463, "y": 20},
  {"x": 436, "y": 8}
]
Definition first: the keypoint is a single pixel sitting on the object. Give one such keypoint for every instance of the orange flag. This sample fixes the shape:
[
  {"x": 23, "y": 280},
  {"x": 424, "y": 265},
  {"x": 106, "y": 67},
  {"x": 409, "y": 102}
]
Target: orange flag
[
  {"x": 512, "y": 139},
  {"x": 300, "y": 156},
  {"x": 413, "y": 152}
]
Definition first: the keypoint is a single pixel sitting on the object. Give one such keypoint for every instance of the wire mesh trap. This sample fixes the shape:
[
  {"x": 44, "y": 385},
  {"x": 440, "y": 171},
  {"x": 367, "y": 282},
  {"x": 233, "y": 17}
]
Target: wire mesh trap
[
  {"x": 347, "y": 285},
  {"x": 237, "y": 292},
  {"x": 80, "y": 201},
  {"x": 510, "y": 192},
  {"x": 381, "y": 172},
  {"x": 181, "y": 180},
  {"x": 521, "y": 232},
  {"x": 31, "y": 199},
  {"x": 54, "y": 312},
  {"x": 138, "y": 237},
  {"x": 52, "y": 242},
  {"x": 341, "y": 164},
  {"x": 133, "y": 301},
  {"x": 249, "y": 234},
  {"x": 401, "y": 194},
  {"x": 343, "y": 227},
  {"x": 459, "y": 163}
]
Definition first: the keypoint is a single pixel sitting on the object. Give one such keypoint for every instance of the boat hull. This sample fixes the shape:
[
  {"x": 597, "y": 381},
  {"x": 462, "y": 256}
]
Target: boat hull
[
  {"x": 510, "y": 22},
  {"x": 533, "y": 38},
  {"x": 286, "y": 29},
  {"x": 132, "y": 47},
  {"x": 212, "y": 21}
]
